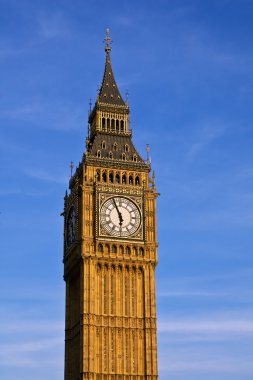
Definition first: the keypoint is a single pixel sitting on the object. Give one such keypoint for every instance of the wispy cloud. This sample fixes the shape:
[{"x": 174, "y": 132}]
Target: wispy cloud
[
  {"x": 191, "y": 293},
  {"x": 212, "y": 363},
  {"x": 62, "y": 117},
  {"x": 208, "y": 344},
  {"x": 203, "y": 138},
  {"x": 20, "y": 326},
  {"x": 25, "y": 353},
  {"x": 42, "y": 175},
  {"x": 53, "y": 25},
  {"x": 207, "y": 326}
]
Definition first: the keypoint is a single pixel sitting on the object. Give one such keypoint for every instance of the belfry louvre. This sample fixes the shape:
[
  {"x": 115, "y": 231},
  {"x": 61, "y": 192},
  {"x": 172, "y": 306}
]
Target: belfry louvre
[{"x": 110, "y": 250}]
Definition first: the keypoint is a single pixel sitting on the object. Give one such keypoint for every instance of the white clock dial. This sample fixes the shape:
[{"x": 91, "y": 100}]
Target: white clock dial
[{"x": 120, "y": 216}]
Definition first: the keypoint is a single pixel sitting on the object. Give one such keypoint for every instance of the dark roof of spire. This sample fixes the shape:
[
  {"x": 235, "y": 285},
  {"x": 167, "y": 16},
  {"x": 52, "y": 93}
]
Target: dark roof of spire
[{"x": 109, "y": 92}]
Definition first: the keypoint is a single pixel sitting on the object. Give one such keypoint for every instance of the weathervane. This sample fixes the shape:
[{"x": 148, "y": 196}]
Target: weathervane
[{"x": 107, "y": 41}]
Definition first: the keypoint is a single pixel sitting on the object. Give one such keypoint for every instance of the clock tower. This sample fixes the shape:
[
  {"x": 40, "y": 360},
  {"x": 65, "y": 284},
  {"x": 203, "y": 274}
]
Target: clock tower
[{"x": 110, "y": 250}]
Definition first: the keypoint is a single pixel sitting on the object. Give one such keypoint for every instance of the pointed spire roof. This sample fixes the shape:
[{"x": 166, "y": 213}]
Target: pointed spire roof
[{"x": 109, "y": 92}]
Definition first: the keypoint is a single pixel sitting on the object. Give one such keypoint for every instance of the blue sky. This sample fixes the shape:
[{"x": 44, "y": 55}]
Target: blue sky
[{"x": 187, "y": 66}]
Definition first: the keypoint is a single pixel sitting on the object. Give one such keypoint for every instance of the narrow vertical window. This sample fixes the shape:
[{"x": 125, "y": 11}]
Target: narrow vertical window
[
  {"x": 126, "y": 295},
  {"x": 133, "y": 294},
  {"x": 105, "y": 350},
  {"x": 104, "y": 177},
  {"x": 134, "y": 350},
  {"x": 112, "y": 352},
  {"x": 127, "y": 352},
  {"x": 105, "y": 292},
  {"x": 111, "y": 177},
  {"x": 112, "y": 293}
]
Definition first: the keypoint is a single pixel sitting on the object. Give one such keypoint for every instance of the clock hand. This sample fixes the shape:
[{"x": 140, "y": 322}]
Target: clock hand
[{"x": 119, "y": 213}]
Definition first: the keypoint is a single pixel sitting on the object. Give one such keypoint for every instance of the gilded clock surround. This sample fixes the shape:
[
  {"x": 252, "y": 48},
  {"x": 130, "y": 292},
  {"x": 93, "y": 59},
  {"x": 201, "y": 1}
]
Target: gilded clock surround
[
  {"x": 138, "y": 201},
  {"x": 110, "y": 281}
]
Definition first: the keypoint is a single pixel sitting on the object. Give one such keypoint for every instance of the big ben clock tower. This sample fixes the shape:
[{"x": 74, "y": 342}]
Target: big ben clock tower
[{"x": 110, "y": 250}]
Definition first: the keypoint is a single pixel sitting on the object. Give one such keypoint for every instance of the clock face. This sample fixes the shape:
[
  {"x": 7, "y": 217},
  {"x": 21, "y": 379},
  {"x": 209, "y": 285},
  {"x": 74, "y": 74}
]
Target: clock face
[
  {"x": 71, "y": 226},
  {"x": 120, "y": 216}
]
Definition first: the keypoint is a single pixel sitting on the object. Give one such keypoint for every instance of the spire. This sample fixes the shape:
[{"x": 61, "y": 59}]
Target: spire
[{"x": 109, "y": 92}]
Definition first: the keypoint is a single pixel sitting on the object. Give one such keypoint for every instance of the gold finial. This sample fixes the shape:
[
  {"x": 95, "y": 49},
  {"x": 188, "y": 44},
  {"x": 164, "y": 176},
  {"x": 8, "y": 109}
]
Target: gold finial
[
  {"x": 71, "y": 168},
  {"x": 108, "y": 41},
  {"x": 153, "y": 180},
  {"x": 90, "y": 105},
  {"x": 148, "y": 157},
  {"x": 127, "y": 96}
]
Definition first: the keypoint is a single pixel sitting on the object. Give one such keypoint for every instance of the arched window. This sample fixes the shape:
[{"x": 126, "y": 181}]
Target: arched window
[
  {"x": 130, "y": 180},
  {"x": 100, "y": 247},
  {"x": 103, "y": 145},
  {"x": 115, "y": 146},
  {"x": 108, "y": 123},
  {"x": 124, "y": 178},
  {"x": 123, "y": 157},
  {"x": 141, "y": 251},
  {"x": 107, "y": 248},
  {"x": 117, "y": 125},
  {"x": 99, "y": 154},
  {"x": 128, "y": 250},
  {"x": 126, "y": 148},
  {"x": 110, "y": 155},
  {"x": 134, "y": 158},
  {"x": 137, "y": 180},
  {"x": 122, "y": 126},
  {"x": 104, "y": 177},
  {"x": 112, "y": 124},
  {"x": 134, "y": 250},
  {"x": 117, "y": 177},
  {"x": 98, "y": 175},
  {"x": 121, "y": 249},
  {"x": 114, "y": 249},
  {"x": 111, "y": 177}
]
